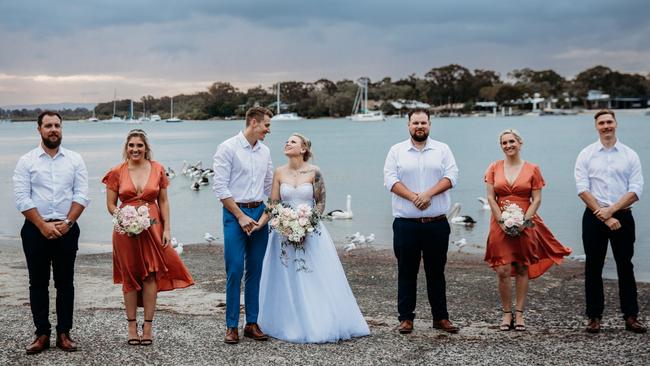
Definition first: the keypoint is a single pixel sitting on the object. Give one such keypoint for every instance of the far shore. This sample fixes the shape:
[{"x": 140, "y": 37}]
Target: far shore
[{"x": 189, "y": 324}]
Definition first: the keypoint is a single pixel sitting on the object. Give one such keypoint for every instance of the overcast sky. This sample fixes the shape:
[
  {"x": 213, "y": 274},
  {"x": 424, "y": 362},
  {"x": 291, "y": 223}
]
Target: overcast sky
[{"x": 81, "y": 50}]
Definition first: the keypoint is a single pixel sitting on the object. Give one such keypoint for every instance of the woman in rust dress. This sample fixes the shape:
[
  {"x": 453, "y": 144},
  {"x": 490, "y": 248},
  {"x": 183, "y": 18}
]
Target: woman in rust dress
[
  {"x": 144, "y": 264},
  {"x": 532, "y": 249}
]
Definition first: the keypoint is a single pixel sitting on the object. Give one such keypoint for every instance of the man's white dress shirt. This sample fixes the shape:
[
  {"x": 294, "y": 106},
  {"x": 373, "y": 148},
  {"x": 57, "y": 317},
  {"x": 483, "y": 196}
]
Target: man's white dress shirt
[
  {"x": 50, "y": 184},
  {"x": 419, "y": 170},
  {"x": 608, "y": 174},
  {"x": 242, "y": 171}
]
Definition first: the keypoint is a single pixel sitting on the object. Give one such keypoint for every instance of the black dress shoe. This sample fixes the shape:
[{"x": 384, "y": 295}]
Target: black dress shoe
[
  {"x": 634, "y": 325},
  {"x": 40, "y": 344}
]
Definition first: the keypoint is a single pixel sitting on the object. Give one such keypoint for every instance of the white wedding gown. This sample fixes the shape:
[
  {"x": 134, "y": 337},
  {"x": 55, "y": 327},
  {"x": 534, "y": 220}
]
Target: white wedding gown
[{"x": 304, "y": 295}]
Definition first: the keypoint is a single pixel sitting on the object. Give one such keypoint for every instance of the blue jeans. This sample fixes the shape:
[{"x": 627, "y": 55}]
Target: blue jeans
[{"x": 243, "y": 252}]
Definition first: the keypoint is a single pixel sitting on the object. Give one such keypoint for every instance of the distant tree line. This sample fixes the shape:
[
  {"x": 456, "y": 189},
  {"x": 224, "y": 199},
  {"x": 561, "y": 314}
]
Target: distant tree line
[{"x": 324, "y": 98}]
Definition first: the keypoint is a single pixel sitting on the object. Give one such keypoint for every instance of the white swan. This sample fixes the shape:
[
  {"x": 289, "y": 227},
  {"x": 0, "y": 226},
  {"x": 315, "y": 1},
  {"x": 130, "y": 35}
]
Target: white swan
[
  {"x": 485, "y": 205},
  {"x": 340, "y": 215},
  {"x": 455, "y": 218}
]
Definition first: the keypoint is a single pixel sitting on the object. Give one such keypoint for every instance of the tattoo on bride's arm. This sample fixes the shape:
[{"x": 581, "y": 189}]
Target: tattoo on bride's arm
[{"x": 319, "y": 192}]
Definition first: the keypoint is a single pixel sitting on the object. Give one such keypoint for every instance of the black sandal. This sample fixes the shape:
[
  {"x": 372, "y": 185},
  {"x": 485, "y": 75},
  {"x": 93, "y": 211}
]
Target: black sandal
[
  {"x": 520, "y": 327},
  {"x": 504, "y": 327},
  {"x": 146, "y": 341},
  {"x": 133, "y": 341}
]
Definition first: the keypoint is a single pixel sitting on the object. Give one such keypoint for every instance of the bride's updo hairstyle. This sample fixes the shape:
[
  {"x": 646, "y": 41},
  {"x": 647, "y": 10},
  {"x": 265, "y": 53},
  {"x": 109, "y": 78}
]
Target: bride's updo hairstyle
[
  {"x": 141, "y": 134},
  {"x": 306, "y": 144},
  {"x": 512, "y": 132}
]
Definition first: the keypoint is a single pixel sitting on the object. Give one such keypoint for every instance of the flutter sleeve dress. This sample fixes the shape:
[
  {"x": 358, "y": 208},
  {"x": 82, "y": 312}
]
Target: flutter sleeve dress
[
  {"x": 535, "y": 247},
  {"x": 136, "y": 257}
]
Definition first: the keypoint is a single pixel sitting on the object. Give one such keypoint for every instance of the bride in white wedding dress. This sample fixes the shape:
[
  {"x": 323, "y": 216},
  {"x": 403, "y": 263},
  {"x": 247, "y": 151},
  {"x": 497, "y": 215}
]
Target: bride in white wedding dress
[{"x": 304, "y": 294}]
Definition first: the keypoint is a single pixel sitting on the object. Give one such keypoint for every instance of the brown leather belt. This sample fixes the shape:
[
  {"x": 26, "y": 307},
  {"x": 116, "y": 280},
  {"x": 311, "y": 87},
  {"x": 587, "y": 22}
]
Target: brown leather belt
[
  {"x": 424, "y": 220},
  {"x": 627, "y": 209},
  {"x": 249, "y": 204}
]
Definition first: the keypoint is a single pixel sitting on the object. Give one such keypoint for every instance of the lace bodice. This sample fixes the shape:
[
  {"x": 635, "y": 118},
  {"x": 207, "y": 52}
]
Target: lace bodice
[{"x": 294, "y": 196}]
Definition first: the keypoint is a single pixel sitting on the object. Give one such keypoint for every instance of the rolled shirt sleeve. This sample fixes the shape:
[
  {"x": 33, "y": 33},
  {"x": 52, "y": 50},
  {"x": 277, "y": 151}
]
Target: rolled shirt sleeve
[
  {"x": 268, "y": 179},
  {"x": 80, "y": 186},
  {"x": 581, "y": 173},
  {"x": 390, "y": 169},
  {"x": 222, "y": 167},
  {"x": 451, "y": 169},
  {"x": 635, "y": 184},
  {"x": 22, "y": 186}
]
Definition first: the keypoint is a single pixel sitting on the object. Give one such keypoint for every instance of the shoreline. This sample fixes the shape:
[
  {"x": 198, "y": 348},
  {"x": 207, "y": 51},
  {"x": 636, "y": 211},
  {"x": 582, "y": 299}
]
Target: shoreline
[{"x": 190, "y": 322}]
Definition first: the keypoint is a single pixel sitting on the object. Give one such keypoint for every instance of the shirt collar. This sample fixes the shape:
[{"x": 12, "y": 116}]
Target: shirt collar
[
  {"x": 244, "y": 142},
  {"x": 428, "y": 146},
  {"x": 42, "y": 152},
  {"x": 602, "y": 147}
]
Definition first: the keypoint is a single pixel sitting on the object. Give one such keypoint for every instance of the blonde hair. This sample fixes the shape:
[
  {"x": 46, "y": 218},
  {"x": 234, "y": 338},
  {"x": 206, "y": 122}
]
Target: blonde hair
[
  {"x": 142, "y": 135},
  {"x": 306, "y": 143},
  {"x": 513, "y": 132}
]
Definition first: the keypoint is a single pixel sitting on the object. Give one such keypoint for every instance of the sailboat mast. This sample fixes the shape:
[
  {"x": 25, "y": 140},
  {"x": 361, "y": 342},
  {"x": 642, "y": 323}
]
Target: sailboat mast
[
  {"x": 172, "y": 108},
  {"x": 278, "y": 102},
  {"x": 114, "y": 97}
]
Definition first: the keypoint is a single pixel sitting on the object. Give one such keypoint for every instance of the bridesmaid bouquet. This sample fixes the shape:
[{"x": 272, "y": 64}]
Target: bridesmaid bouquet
[
  {"x": 512, "y": 217},
  {"x": 293, "y": 224},
  {"x": 131, "y": 220}
]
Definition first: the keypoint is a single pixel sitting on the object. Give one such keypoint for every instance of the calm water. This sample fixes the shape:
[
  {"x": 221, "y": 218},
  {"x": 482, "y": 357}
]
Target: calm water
[{"x": 351, "y": 156}]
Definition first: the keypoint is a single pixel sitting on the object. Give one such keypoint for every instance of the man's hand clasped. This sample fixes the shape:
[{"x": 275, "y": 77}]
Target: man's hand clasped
[{"x": 422, "y": 201}]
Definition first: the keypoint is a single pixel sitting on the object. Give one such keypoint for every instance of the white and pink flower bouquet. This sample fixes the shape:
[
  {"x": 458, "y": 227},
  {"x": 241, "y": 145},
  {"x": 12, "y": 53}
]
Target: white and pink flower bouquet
[
  {"x": 293, "y": 224},
  {"x": 512, "y": 217},
  {"x": 132, "y": 221}
]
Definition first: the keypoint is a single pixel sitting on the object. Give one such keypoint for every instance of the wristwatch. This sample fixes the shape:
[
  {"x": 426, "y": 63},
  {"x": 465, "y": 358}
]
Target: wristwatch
[{"x": 68, "y": 222}]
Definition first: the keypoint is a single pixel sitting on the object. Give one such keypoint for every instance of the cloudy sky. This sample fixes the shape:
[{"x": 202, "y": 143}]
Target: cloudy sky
[{"x": 81, "y": 50}]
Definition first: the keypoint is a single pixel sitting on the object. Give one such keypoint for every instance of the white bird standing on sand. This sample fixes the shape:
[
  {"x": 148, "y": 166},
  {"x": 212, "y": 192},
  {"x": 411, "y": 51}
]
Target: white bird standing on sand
[
  {"x": 370, "y": 238},
  {"x": 350, "y": 247},
  {"x": 209, "y": 238},
  {"x": 179, "y": 248},
  {"x": 455, "y": 218},
  {"x": 347, "y": 214},
  {"x": 485, "y": 205}
]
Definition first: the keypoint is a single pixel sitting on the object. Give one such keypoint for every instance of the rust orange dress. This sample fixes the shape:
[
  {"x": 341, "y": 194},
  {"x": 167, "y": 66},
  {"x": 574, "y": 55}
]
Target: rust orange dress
[
  {"x": 134, "y": 258},
  {"x": 535, "y": 247}
]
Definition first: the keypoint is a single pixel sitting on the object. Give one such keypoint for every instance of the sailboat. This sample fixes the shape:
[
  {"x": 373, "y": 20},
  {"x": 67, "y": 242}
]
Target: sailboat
[
  {"x": 144, "y": 117},
  {"x": 93, "y": 118},
  {"x": 360, "y": 110},
  {"x": 130, "y": 119},
  {"x": 171, "y": 118},
  {"x": 115, "y": 117},
  {"x": 284, "y": 116}
]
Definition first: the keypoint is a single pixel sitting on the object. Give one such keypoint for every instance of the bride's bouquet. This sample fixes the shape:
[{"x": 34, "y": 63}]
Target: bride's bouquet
[
  {"x": 293, "y": 224},
  {"x": 512, "y": 217},
  {"x": 131, "y": 220}
]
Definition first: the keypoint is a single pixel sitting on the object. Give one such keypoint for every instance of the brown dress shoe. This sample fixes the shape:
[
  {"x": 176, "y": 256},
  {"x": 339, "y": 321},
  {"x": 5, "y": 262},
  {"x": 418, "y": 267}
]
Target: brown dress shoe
[
  {"x": 593, "y": 326},
  {"x": 634, "y": 325},
  {"x": 64, "y": 342},
  {"x": 232, "y": 336},
  {"x": 405, "y": 327},
  {"x": 445, "y": 325},
  {"x": 40, "y": 344},
  {"x": 252, "y": 330}
]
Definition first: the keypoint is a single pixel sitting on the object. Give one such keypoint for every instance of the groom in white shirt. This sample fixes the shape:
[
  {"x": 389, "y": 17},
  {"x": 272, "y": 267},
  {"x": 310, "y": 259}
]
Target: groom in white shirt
[{"x": 243, "y": 174}]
